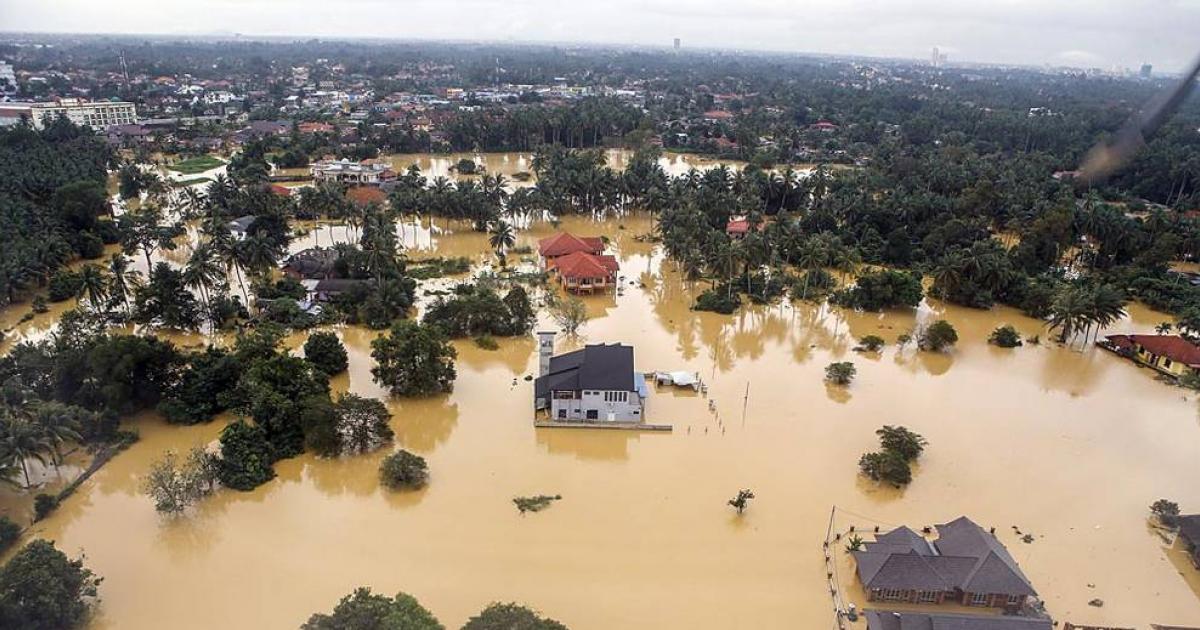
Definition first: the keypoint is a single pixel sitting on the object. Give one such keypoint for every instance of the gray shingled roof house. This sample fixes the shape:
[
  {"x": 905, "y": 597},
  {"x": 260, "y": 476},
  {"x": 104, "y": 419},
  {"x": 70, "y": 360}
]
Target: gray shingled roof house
[
  {"x": 965, "y": 565},
  {"x": 240, "y": 226},
  {"x": 314, "y": 263},
  {"x": 888, "y": 620},
  {"x": 1189, "y": 531},
  {"x": 597, "y": 383}
]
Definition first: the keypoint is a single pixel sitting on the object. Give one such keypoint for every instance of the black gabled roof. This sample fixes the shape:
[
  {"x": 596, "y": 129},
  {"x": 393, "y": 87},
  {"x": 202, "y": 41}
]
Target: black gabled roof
[
  {"x": 599, "y": 366},
  {"x": 996, "y": 571},
  {"x": 1189, "y": 528},
  {"x": 963, "y": 557},
  {"x": 889, "y": 620}
]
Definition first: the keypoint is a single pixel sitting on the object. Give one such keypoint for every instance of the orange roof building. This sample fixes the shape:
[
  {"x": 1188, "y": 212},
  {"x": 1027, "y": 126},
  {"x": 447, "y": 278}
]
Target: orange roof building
[
  {"x": 366, "y": 195},
  {"x": 565, "y": 243},
  {"x": 739, "y": 227},
  {"x": 583, "y": 272}
]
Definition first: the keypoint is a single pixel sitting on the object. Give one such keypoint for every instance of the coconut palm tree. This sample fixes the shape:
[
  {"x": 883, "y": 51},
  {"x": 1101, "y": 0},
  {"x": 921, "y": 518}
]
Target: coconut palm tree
[
  {"x": 203, "y": 271},
  {"x": 93, "y": 285},
  {"x": 122, "y": 279},
  {"x": 259, "y": 253},
  {"x": 502, "y": 237},
  {"x": 1069, "y": 312},
  {"x": 810, "y": 257},
  {"x": 1106, "y": 304},
  {"x": 229, "y": 252},
  {"x": 189, "y": 203},
  {"x": 59, "y": 426},
  {"x": 22, "y": 440}
]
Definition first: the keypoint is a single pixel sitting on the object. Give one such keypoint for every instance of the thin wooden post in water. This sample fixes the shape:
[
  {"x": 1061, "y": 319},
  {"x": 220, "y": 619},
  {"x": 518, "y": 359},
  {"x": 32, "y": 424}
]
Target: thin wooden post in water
[{"x": 745, "y": 401}]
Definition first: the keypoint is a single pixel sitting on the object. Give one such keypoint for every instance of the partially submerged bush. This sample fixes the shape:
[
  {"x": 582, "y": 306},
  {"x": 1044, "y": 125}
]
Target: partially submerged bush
[
  {"x": 174, "y": 485},
  {"x": 364, "y": 609},
  {"x": 840, "y": 373},
  {"x": 1166, "y": 511},
  {"x": 937, "y": 336},
  {"x": 870, "y": 343},
  {"x": 535, "y": 503},
  {"x": 717, "y": 301},
  {"x": 1005, "y": 337},
  {"x": 899, "y": 446},
  {"x": 403, "y": 470}
]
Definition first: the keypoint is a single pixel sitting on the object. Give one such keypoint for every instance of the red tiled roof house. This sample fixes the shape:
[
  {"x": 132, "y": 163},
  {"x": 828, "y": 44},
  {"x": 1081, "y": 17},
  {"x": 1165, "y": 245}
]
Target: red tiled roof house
[
  {"x": 1170, "y": 354},
  {"x": 738, "y": 227},
  {"x": 581, "y": 272},
  {"x": 565, "y": 243},
  {"x": 579, "y": 263}
]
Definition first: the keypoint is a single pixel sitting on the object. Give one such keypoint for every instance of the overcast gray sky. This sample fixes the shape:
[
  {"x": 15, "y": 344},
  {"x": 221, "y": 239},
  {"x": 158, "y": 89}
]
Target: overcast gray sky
[{"x": 1083, "y": 33}]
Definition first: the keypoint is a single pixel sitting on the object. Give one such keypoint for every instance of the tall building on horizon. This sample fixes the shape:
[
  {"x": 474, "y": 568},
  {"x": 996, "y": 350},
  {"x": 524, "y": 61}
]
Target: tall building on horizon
[
  {"x": 676, "y": 44},
  {"x": 937, "y": 58},
  {"x": 1146, "y": 71}
]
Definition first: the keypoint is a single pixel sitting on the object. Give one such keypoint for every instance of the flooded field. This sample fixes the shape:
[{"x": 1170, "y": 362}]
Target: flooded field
[
  {"x": 509, "y": 164},
  {"x": 1071, "y": 446}
]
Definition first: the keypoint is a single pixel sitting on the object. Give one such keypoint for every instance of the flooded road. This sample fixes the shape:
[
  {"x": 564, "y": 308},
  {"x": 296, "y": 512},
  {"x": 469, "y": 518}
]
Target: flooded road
[{"x": 1067, "y": 445}]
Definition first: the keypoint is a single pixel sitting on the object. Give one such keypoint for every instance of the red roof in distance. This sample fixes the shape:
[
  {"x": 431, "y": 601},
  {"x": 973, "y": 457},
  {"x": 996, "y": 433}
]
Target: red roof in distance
[{"x": 366, "y": 195}]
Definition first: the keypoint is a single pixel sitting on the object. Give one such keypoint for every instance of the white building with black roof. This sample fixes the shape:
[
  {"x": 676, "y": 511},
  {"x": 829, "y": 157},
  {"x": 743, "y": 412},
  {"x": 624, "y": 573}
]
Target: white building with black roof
[{"x": 594, "y": 384}]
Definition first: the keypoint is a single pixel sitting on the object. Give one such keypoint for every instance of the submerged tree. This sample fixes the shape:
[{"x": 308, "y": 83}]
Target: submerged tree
[
  {"x": 899, "y": 446},
  {"x": 1166, "y": 511},
  {"x": 246, "y": 458},
  {"x": 742, "y": 500},
  {"x": 42, "y": 589},
  {"x": 364, "y": 610},
  {"x": 1005, "y": 337},
  {"x": 870, "y": 343},
  {"x": 403, "y": 470},
  {"x": 569, "y": 314},
  {"x": 502, "y": 238},
  {"x": 511, "y": 616},
  {"x": 414, "y": 360},
  {"x": 840, "y": 373},
  {"x": 175, "y": 485},
  {"x": 325, "y": 351},
  {"x": 362, "y": 423},
  {"x": 937, "y": 336}
]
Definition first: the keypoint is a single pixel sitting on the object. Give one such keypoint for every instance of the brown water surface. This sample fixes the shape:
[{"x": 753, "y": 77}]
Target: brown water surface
[{"x": 1069, "y": 445}]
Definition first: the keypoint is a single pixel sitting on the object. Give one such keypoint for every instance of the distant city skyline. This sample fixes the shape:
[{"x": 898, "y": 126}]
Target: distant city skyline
[{"x": 1079, "y": 33}]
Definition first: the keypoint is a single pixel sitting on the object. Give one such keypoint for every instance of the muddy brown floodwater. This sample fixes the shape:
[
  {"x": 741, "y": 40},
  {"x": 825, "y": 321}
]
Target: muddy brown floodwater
[
  {"x": 1068, "y": 445},
  {"x": 508, "y": 164}
]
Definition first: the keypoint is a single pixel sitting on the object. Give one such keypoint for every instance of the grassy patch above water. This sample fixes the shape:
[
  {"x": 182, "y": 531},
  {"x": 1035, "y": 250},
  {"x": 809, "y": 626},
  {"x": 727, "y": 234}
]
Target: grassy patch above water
[{"x": 197, "y": 164}]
